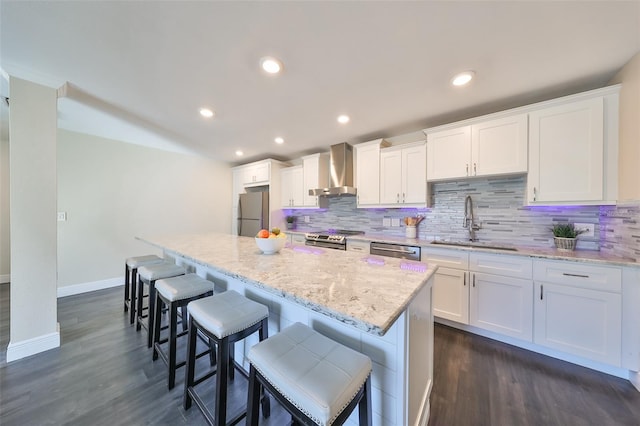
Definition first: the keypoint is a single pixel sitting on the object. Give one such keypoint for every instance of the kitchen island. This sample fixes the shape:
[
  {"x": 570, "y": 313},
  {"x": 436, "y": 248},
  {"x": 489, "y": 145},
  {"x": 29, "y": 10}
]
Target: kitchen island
[{"x": 378, "y": 306}]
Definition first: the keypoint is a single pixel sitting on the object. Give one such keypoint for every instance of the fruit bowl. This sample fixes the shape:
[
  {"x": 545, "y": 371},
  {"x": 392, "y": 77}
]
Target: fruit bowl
[{"x": 270, "y": 245}]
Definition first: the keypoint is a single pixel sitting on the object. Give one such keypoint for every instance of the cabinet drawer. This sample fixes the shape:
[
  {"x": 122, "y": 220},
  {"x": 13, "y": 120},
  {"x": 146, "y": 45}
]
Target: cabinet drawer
[
  {"x": 500, "y": 264},
  {"x": 361, "y": 246},
  {"x": 578, "y": 274},
  {"x": 446, "y": 258}
]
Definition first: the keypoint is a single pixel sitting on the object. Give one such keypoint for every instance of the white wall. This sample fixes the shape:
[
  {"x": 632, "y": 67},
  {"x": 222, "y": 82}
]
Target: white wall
[
  {"x": 113, "y": 191},
  {"x": 629, "y": 150},
  {"x": 33, "y": 123},
  {"x": 5, "y": 258}
]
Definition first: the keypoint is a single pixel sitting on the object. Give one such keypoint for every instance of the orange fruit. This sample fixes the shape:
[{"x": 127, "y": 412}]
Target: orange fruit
[{"x": 263, "y": 233}]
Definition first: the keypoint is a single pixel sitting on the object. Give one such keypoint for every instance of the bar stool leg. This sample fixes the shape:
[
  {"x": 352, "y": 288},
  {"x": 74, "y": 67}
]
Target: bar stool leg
[
  {"x": 152, "y": 306},
  {"x": 127, "y": 297},
  {"x": 221, "y": 382},
  {"x": 364, "y": 407},
  {"x": 173, "y": 319},
  {"x": 133, "y": 284},
  {"x": 157, "y": 325},
  {"x": 140, "y": 299},
  {"x": 189, "y": 374}
]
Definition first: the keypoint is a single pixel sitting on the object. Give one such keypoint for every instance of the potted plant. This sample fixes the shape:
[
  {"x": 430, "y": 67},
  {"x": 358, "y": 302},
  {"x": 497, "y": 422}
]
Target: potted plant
[
  {"x": 291, "y": 221},
  {"x": 565, "y": 235}
]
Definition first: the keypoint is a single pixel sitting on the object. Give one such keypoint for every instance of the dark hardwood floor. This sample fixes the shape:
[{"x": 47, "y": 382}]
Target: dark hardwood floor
[{"x": 103, "y": 374}]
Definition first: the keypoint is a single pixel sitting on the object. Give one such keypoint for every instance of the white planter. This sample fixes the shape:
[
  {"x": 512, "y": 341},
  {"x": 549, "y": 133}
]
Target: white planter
[{"x": 565, "y": 244}]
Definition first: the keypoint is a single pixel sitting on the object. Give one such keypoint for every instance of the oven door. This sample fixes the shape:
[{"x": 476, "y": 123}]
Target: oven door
[{"x": 325, "y": 244}]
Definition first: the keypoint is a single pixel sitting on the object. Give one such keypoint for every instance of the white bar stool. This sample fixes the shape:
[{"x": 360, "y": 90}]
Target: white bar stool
[
  {"x": 149, "y": 275},
  {"x": 175, "y": 293},
  {"x": 131, "y": 266},
  {"x": 318, "y": 381},
  {"x": 224, "y": 318}
]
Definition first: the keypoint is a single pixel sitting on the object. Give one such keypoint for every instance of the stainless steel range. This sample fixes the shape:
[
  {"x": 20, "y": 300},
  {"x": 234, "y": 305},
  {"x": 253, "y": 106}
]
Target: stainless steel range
[{"x": 332, "y": 238}]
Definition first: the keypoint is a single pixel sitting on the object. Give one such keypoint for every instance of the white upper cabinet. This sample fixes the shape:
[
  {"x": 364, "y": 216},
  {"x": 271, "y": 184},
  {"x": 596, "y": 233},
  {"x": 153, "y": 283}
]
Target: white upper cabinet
[
  {"x": 499, "y": 146},
  {"x": 257, "y": 174},
  {"x": 403, "y": 175},
  {"x": 571, "y": 146},
  {"x": 486, "y": 148},
  {"x": 292, "y": 187},
  {"x": 315, "y": 175},
  {"x": 367, "y": 172},
  {"x": 448, "y": 153}
]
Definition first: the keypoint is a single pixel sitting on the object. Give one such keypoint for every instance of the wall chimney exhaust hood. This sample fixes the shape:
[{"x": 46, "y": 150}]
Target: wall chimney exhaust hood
[{"x": 340, "y": 172}]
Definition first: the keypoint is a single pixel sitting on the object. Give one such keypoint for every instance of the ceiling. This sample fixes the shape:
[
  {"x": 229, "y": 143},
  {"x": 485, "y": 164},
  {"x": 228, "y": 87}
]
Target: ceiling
[{"x": 139, "y": 71}]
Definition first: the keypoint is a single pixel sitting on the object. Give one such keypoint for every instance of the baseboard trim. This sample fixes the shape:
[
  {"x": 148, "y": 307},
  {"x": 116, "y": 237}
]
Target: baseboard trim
[
  {"x": 5, "y": 278},
  {"x": 634, "y": 378},
  {"x": 25, "y": 348},
  {"x": 70, "y": 290}
]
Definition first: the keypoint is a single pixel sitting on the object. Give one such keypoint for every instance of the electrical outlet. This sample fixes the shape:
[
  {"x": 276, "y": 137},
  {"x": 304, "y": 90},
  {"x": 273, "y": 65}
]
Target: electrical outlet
[
  {"x": 307, "y": 219},
  {"x": 589, "y": 229},
  {"x": 395, "y": 221},
  {"x": 62, "y": 216},
  {"x": 386, "y": 222}
]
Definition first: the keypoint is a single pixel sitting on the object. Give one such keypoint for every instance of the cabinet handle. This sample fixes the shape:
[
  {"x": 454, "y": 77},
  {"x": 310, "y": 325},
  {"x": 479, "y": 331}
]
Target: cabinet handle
[
  {"x": 464, "y": 280},
  {"x": 474, "y": 169},
  {"x": 541, "y": 291},
  {"x": 403, "y": 197},
  {"x": 467, "y": 169},
  {"x": 575, "y": 275},
  {"x": 398, "y": 197},
  {"x": 474, "y": 280},
  {"x": 534, "y": 193}
]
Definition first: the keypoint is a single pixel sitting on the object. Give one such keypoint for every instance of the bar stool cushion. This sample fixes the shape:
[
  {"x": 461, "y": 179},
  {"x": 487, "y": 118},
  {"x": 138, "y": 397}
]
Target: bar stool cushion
[
  {"x": 138, "y": 261},
  {"x": 227, "y": 313},
  {"x": 318, "y": 376},
  {"x": 159, "y": 271},
  {"x": 183, "y": 287}
]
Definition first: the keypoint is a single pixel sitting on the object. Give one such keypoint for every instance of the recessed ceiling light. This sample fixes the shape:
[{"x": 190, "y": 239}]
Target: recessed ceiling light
[
  {"x": 462, "y": 78},
  {"x": 279, "y": 140},
  {"x": 271, "y": 65},
  {"x": 343, "y": 119},
  {"x": 239, "y": 153},
  {"x": 206, "y": 112}
]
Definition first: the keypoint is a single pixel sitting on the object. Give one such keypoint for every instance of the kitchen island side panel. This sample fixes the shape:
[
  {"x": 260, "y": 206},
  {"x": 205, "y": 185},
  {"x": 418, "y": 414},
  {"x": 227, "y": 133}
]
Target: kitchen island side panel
[{"x": 401, "y": 382}]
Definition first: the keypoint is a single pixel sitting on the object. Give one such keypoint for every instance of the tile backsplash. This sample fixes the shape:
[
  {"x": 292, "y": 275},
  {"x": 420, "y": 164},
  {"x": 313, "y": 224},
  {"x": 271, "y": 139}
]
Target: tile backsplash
[{"x": 498, "y": 207}]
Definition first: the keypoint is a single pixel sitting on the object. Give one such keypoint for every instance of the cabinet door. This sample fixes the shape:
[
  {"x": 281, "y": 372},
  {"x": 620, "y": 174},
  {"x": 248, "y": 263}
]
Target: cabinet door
[
  {"x": 368, "y": 174},
  {"x": 502, "y": 304},
  {"x": 297, "y": 187},
  {"x": 360, "y": 246},
  {"x": 390, "y": 177},
  {"x": 414, "y": 175},
  {"x": 448, "y": 153},
  {"x": 310, "y": 170},
  {"x": 566, "y": 145},
  {"x": 499, "y": 146},
  {"x": 451, "y": 295},
  {"x": 286, "y": 182},
  {"x": 261, "y": 171},
  {"x": 583, "y": 322}
]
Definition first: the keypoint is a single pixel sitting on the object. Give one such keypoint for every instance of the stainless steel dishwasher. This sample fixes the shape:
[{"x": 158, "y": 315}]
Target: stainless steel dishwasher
[{"x": 395, "y": 250}]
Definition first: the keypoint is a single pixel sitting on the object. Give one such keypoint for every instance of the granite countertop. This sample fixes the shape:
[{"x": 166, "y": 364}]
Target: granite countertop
[
  {"x": 550, "y": 253},
  {"x": 347, "y": 286}
]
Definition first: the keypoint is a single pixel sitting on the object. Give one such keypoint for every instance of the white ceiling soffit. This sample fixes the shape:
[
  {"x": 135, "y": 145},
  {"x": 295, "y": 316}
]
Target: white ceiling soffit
[{"x": 149, "y": 66}]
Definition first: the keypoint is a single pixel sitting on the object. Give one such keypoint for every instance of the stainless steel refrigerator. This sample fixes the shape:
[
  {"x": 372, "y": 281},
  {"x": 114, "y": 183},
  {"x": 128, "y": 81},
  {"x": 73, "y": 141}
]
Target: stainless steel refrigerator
[{"x": 253, "y": 213}]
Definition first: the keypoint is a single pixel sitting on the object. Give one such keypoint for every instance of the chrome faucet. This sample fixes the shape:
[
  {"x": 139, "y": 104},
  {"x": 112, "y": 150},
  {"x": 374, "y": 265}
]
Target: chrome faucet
[{"x": 469, "y": 220}]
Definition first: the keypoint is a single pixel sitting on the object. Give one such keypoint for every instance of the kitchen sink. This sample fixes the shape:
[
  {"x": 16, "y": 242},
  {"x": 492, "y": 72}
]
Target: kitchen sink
[{"x": 474, "y": 244}]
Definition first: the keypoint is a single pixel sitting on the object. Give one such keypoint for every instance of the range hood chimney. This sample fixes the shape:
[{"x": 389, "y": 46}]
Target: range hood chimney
[{"x": 340, "y": 172}]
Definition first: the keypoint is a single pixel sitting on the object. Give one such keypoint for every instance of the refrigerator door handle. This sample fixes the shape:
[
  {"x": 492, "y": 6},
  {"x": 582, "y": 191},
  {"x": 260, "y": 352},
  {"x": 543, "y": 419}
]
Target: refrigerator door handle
[{"x": 239, "y": 217}]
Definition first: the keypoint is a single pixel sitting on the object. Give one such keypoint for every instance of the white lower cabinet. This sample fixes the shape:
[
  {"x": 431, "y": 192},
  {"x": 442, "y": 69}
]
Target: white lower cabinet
[
  {"x": 501, "y": 297},
  {"x": 360, "y": 246},
  {"x": 450, "y": 283},
  {"x": 578, "y": 310},
  {"x": 502, "y": 304},
  {"x": 451, "y": 295}
]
